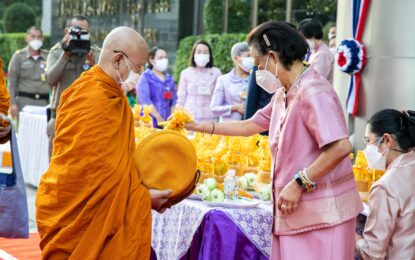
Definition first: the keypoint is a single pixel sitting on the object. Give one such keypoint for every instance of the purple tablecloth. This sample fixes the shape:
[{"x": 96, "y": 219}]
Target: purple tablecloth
[{"x": 219, "y": 238}]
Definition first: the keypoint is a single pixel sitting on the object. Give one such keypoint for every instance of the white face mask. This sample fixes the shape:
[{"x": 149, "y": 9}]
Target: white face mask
[
  {"x": 333, "y": 50},
  {"x": 35, "y": 44},
  {"x": 374, "y": 158},
  {"x": 131, "y": 80},
  {"x": 201, "y": 60},
  {"x": 311, "y": 44},
  {"x": 247, "y": 64},
  {"x": 266, "y": 80},
  {"x": 161, "y": 65}
]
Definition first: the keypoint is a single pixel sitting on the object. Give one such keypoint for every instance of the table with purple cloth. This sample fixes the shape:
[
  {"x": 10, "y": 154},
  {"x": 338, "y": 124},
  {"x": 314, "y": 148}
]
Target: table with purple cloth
[{"x": 192, "y": 230}]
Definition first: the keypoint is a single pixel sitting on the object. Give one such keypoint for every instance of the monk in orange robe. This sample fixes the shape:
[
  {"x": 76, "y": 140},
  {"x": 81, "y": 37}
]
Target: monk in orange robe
[
  {"x": 4, "y": 107},
  {"x": 91, "y": 203}
]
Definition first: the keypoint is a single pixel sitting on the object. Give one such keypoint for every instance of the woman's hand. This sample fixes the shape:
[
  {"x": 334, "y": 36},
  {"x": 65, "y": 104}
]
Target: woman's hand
[
  {"x": 357, "y": 237},
  {"x": 158, "y": 199},
  {"x": 238, "y": 108},
  {"x": 289, "y": 197}
]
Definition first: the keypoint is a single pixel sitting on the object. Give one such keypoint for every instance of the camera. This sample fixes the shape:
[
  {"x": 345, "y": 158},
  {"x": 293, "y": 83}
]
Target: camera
[{"x": 79, "y": 44}]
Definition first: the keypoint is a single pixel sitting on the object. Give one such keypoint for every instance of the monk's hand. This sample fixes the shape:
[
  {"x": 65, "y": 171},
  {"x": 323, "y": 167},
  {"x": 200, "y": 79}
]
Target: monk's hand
[
  {"x": 5, "y": 126},
  {"x": 158, "y": 199},
  {"x": 289, "y": 197},
  {"x": 14, "y": 110}
]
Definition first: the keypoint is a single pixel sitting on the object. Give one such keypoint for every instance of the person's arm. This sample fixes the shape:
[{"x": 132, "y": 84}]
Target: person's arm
[
  {"x": 174, "y": 100},
  {"x": 328, "y": 129},
  {"x": 218, "y": 104},
  {"x": 380, "y": 223},
  {"x": 230, "y": 128},
  {"x": 322, "y": 115},
  {"x": 182, "y": 89},
  {"x": 323, "y": 63},
  {"x": 13, "y": 82},
  {"x": 258, "y": 123},
  {"x": 55, "y": 67}
]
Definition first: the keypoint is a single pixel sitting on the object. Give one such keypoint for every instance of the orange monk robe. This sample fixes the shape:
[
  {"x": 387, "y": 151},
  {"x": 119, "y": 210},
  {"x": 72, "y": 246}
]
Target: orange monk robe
[
  {"x": 91, "y": 203},
  {"x": 4, "y": 98}
]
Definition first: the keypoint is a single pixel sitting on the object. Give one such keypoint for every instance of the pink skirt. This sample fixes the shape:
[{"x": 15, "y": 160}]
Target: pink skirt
[{"x": 337, "y": 242}]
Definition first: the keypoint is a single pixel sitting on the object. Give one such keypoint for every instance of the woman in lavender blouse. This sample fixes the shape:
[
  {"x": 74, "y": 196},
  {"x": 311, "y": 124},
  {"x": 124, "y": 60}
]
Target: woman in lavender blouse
[
  {"x": 230, "y": 93},
  {"x": 156, "y": 87},
  {"x": 197, "y": 83}
]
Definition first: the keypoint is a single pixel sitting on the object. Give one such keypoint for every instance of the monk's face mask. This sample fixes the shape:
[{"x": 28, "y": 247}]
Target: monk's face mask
[{"x": 132, "y": 79}]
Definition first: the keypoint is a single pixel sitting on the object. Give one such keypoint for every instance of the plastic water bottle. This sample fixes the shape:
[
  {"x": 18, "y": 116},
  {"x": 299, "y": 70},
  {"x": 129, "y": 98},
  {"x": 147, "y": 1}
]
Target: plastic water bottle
[{"x": 231, "y": 185}]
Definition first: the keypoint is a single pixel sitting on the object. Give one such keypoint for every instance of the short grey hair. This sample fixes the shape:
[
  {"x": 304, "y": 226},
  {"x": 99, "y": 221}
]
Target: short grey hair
[{"x": 238, "y": 48}]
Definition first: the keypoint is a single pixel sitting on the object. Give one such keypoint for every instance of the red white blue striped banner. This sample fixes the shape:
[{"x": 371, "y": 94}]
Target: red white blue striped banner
[{"x": 359, "y": 10}]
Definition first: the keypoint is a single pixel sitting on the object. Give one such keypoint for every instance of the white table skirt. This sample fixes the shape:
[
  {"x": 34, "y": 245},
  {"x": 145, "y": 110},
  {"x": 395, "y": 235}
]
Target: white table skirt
[{"x": 33, "y": 146}]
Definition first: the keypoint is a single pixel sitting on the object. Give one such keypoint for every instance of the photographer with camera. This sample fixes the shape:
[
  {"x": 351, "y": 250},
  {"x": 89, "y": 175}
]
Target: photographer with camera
[{"x": 66, "y": 61}]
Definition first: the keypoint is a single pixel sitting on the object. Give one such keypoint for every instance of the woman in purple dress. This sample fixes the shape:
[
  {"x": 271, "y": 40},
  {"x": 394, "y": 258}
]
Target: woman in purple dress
[{"x": 156, "y": 87}]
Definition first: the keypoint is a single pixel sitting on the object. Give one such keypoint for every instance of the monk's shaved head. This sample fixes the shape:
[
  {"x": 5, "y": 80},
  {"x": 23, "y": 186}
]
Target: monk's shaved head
[{"x": 123, "y": 45}]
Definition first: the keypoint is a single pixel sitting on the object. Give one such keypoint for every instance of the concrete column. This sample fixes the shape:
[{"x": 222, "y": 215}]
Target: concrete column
[
  {"x": 47, "y": 17},
  {"x": 289, "y": 11},
  {"x": 254, "y": 8},
  {"x": 225, "y": 15}
]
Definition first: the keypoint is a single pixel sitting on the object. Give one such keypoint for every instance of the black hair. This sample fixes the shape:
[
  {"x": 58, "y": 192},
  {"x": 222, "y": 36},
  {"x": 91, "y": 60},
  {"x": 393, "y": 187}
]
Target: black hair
[
  {"x": 400, "y": 124},
  {"x": 291, "y": 25},
  {"x": 311, "y": 28},
  {"x": 152, "y": 54},
  {"x": 77, "y": 17},
  {"x": 281, "y": 38},
  {"x": 192, "y": 54},
  {"x": 35, "y": 28}
]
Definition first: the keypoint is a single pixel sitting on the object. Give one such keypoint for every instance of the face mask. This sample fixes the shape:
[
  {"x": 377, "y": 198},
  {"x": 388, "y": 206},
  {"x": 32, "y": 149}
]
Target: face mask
[
  {"x": 161, "y": 65},
  {"x": 374, "y": 158},
  {"x": 266, "y": 80},
  {"x": 35, "y": 44},
  {"x": 311, "y": 44},
  {"x": 333, "y": 50},
  {"x": 201, "y": 60},
  {"x": 131, "y": 80},
  {"x": 247, "y": 64},
  {"x": 331, "y": 35}
]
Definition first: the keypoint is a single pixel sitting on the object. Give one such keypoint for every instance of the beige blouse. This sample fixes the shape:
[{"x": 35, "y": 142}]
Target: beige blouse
[{"x": 390, "y": 227}]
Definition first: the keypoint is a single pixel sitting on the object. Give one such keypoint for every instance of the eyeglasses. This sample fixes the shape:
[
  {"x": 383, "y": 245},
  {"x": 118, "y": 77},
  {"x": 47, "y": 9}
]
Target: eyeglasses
[
  {"x": 366, "y": 140},
  {"x": 140, "y": 69}
]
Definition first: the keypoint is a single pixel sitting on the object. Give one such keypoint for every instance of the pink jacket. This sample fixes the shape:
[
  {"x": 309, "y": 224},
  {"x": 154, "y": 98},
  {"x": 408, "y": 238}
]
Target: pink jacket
[{"x": 314, "y": 120}]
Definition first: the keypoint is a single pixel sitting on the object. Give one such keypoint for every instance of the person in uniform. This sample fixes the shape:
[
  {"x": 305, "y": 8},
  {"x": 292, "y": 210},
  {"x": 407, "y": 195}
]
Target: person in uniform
[
  {"x": 27, "y": 81},
  {"x": 63, "y": 68}
]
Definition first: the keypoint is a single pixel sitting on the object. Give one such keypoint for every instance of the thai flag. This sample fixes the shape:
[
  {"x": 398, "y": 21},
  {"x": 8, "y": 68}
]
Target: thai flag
[{"x": 359, "y": 9}]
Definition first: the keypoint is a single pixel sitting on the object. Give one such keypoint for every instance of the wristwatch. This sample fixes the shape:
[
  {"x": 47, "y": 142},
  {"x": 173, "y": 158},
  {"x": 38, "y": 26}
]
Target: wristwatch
[{"x": 299, "y": 181}]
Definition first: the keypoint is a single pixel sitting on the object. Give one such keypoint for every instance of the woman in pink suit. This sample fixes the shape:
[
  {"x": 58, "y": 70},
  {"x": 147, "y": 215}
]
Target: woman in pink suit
[
  {"x": 390, "y": 226},
  {"x": 315, "y": 197}
]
